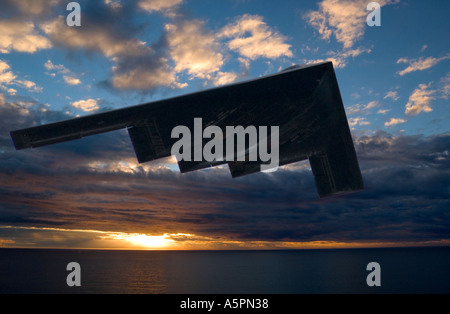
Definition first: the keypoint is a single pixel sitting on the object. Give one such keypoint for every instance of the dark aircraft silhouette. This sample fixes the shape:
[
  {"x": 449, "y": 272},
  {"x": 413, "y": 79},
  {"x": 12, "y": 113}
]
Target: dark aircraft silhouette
[{"x": 304, "y": 101}]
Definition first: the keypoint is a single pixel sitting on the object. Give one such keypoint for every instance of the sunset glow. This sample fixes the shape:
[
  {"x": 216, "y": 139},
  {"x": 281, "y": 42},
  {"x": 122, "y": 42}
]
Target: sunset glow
[
  {"x": 95, "y": 239},
  {"x": 146, "y": 241}
]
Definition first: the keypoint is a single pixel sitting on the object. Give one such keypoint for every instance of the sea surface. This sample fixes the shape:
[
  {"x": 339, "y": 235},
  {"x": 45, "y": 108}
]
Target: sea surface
[{"x": 330, "y": 271}]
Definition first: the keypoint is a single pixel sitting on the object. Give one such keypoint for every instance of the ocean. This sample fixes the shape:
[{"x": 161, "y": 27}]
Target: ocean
[{"x": 328, "y": 271}]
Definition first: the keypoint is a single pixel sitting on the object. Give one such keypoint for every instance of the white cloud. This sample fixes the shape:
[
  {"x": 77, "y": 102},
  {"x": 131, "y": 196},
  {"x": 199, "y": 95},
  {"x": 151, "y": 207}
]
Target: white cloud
[
  {"x": 358, "y": 121},
  {"x": 223, "y": 78},
  {"x": 383, "y": 111},
  {"x": 3, "y": 66},
  {"x": 12, "y": 91},
  {"x": 7, "y": 77},
  {"x": 21, "y": 36},
  {"x": 254, "y": 39},
  {"x": 420, "y": 100},
  {"x": 337, "y": 62},
  {"x": 346, "y": 19},
  {"x": 420, "y": 64},
  {"x": 31, "y": 86},
  {"x": 245, "y": 63},
  {"x": 353, "y": 109},
  {"x": 71, "y": 80},
  {"x": 57, "y": 67},
  {"x": 86, "y": 105},
  {"x": 113, "y": 4},
  {"x": 394, "y": 121},
  {"x": 340, "y": 58},
  {"x": 158, "y": 5},
  {"x": 68, "y": 76},
  {"x": 193, "y": 49},
  {"x": 392, "y": 94},
  {"x": 371, "y": 105},
  {"x": 359, "y": 108}
]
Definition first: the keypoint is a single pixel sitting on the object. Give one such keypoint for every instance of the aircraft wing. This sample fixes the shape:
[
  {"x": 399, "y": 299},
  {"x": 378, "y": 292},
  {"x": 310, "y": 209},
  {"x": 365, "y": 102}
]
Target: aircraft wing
[{"x": 303, "y": 101}]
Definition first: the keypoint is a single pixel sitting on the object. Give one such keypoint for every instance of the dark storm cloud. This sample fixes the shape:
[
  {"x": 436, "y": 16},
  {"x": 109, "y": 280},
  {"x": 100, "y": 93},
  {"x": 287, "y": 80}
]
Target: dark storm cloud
[
  {"x": 105, "y": 31},
  {"x": 36, "y": 9},
  {"x": 138, "y": 63},
  {"x": 95, "y": 183}
]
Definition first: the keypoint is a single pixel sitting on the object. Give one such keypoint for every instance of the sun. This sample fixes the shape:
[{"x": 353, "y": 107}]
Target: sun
[
  {"x": 149, "y": 241},
  {"x": 146, "y": 241}
]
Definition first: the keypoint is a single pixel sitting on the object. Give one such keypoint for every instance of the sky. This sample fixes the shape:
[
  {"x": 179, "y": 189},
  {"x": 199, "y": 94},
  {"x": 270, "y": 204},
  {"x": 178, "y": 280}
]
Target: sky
[{"x": 92, "y": 193}]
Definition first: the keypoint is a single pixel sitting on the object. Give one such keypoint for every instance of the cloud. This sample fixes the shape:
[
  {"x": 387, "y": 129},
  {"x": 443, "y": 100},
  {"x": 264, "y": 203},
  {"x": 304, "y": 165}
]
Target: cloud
[
  {"x": 420, "y": 100},
  {"x": 113, "y": 4},
  {"x": 96, "y": 184},
  {"x": 394, "y": 121},
  {"x": 338, "y": 63},
  {"x": 184, "y": 47},
  {"x": 346, "y": 19},
  {"x": 29, "y": 8},
  {"x": 223, "y": 78},
  {"x": 6, "y": 77},
  {"x": 57, "y": 67},
  {"x": 200, "y": 53},
  {"x": 383, "y": 111},
  {"x": 254, "y": 39},
  {"x": 71, "y": 80},
  {"x": 3, "y": 66},
  {"x": 358, "y": 121},
  {"x": 340, "y": 58},
  {"x": 193, "y": 49},
  {"x": 372, "y": 104},
  {"x": 68, "y": 76},
  {"x": 158, "y": 5},
  {"x": 12, "y": 91},
  {"x": 94, "y": 36},
  {"x": 359, "y": 108},
  {"x": 19, "y": 112},
  {"x": 136, "y": 65},
  {"x": 17, "y": 35},
  {"x": 401, "y": 201},
  {"x": 29, "y": 85},
  {"x": 9, "y": 78},
  {"x": 392, "y": 94},
  {"x": 445, "y": 86},
  {"x": 144, "y": 73},
  {"x": 86, "y": 105},
  {"x": 420, "y": 64}
]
